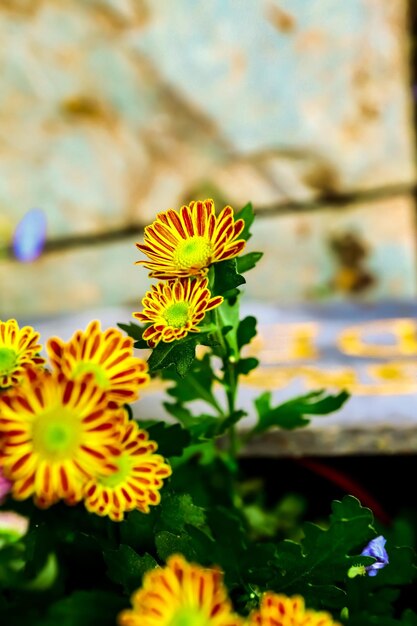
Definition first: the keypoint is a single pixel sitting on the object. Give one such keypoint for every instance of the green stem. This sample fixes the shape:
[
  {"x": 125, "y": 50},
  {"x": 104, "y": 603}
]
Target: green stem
[
  {"x": 230, "y": 384},
  {"x": 205, "y": 395}
]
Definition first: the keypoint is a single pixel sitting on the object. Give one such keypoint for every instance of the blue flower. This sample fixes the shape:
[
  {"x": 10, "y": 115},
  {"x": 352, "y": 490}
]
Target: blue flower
[{"x": 376, "y": 549}]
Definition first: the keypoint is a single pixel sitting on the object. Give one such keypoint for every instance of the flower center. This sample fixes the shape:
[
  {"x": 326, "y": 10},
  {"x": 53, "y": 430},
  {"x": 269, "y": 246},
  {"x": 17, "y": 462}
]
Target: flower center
[
  {"x": 56, "y": 434},
  {"x": 8, "y": 359},
  {"x": 124, "y": 467},
  {"x": 176, "y": 315},
  {"x": 188, "y": 616},
  {"x": 87, "y": 367},
  {"x": 194, "y": 252}
]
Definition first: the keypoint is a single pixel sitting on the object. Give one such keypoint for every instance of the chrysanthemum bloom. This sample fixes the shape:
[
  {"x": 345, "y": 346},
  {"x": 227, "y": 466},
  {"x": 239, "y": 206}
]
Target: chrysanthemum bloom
[
  {"x": 188, "y": 242},
  {"x": 181, "y": 594},
  {"x": 136, "y": 482},
  {"x": 280, "y": 610},
  {"x": 175, "y": 308},
  {"x": 108, "y": 355},
  {"x": 19, "y": 348},
  {"x": 56, "y": 433}
]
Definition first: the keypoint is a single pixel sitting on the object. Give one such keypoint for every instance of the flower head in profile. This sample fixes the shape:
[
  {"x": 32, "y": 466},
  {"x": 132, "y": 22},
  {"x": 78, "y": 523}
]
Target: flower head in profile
[
  {"x": 188, "y": 242},
  {"x": 175, "y": 308},
  {"x": 376, "y": 549},
  {"x": 55, "y": 434},
  {"x": 19, "y": 348},
  {"x": 280, "y": 610},
  {"x": 181, "y": 594},
  {"x": 135, "y": 483},
  {"x": 107, "y": 355}
]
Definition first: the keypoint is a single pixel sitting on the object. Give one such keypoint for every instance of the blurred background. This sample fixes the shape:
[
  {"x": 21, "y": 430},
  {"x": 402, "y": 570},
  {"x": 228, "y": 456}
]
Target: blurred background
[{"x": 113, "y": 110}]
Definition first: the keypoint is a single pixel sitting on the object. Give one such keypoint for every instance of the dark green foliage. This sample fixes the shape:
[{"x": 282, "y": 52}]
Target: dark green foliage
[
  {"x": 126, "y": 567},
  {"x": 180, "y": 354},
  {"x": 172, "y": 439},
  {"x": 77, "y": 569},
  {"x": 226, "y": 279}
]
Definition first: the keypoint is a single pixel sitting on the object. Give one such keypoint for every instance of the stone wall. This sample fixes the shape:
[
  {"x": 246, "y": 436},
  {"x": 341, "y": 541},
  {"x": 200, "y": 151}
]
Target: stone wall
[{"x": 112, "y": 110}]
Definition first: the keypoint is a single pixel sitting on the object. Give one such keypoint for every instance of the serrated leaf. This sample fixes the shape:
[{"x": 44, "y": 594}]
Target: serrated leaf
[
  {"x": 180, "y": 354},
  {"x": 168, "y": 543},
  {"x": 226, "y": 278},
  {"x": 248, "y": 261},
  {"x": 324, "y": 556},
  {"x": 178, "y": 510},
  {"x": 126, "y": 568},
  {"x": 295, "y": 413},
  {"x": 171, "y": 439},
  {"x": 248, "y": 216}
]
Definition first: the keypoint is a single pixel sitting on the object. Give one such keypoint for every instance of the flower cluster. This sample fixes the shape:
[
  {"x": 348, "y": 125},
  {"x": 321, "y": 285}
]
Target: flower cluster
[
  {"x": 181, "y": 247},
  {"x": 64, "y": 431},
  {"x": 186, "y": 594}
]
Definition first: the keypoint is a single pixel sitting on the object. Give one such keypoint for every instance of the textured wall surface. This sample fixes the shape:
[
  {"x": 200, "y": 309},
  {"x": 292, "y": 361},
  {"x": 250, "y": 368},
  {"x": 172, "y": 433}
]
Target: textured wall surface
[{"x": 112, "y": 110}]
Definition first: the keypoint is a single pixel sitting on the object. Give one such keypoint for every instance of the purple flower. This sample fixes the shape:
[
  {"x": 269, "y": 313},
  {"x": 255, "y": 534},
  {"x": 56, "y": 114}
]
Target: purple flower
[
  {"x": 30, "y": 236},
  {"x": 376, "y": 549}
]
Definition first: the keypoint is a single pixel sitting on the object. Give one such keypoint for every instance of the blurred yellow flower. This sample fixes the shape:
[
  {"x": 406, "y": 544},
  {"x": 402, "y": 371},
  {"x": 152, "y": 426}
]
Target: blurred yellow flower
[
  {"x": 108, "y": 355},
  {"x": 280, "y": 610},
  {"x": 181, "y": 594},
  {"x": 19, "y": 348}
]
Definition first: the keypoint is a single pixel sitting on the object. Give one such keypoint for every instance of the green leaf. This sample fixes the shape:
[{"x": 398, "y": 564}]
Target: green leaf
[
  {"x": 248, "y": 261},
  {"x": 294, "y": 413},
  {"x": 178, "y": 510},
  {"x": 244, "y": 366},
  {"x": 197, "y": 385},
  {"x": 226, "y": 279},
  {"x": 168, "y": 543},
  {"x": 181, "y": 354},
  {"x": 135, "y": 331},
  {"x": 246, "y": 331},
  {"x": 138, "y": 530},
  {"x": 248, "y": 216},
  {"x": 84, "y": 608},
  {"x": 126, "y": 568},
  {"x": 171, "y": 439},
  {"x": 324, "y": 556},
  {"x": 201, "y": 427}
]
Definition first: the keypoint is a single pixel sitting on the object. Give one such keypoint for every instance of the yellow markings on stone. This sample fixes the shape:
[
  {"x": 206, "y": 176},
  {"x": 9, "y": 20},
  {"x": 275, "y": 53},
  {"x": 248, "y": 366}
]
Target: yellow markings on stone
[{"x": 353, "y": 340}]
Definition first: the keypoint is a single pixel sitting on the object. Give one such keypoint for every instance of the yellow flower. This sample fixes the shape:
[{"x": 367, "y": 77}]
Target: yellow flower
[
  {"x": 280, "y": 610},
  {"x": 136, "y": 482},
  {"x": 19, "y": 348},
  {"x": 108, "y": 355},
  {"x": 175, "y": 308},
  {"x": 55, "y": 433},
  {"x": 181, "y": 594},
  {"x": 188, "y": 242}
]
